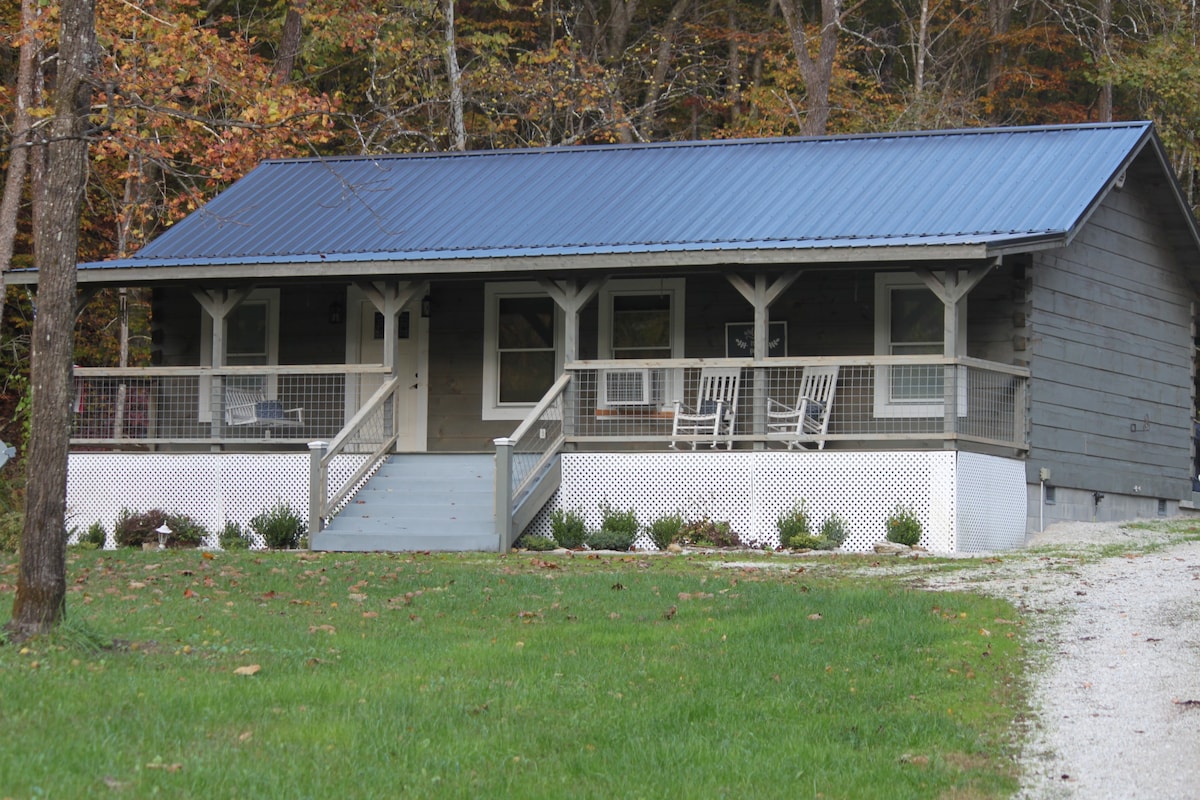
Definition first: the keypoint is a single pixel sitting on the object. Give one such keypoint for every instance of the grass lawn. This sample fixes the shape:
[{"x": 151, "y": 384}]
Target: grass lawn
[{"x": 298, "y": 675}]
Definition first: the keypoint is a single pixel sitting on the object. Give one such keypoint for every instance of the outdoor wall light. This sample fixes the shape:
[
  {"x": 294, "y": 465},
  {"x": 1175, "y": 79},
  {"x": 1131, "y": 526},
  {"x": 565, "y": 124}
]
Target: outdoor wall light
[
  {"x": 426, "y": 306},
  {"x": 336, "y": 313}
]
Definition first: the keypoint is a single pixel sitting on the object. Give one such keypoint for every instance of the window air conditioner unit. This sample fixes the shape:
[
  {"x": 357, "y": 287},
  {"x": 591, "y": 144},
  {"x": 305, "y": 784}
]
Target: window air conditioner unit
[{"x": 625, "y": 387}]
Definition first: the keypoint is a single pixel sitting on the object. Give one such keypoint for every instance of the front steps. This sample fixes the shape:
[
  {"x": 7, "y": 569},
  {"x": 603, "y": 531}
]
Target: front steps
[{"x": 418, "y": 502}]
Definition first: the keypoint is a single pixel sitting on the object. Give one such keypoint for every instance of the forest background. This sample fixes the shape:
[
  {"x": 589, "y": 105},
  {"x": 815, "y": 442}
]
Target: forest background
[{"x": 190, "y": 94}]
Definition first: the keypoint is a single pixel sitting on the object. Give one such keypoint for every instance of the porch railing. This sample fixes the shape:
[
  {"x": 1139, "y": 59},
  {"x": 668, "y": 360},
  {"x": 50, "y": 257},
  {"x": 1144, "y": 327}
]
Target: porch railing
[
  {"x": 204, "y": 405},
  {"x": 879, "y": 401},
  {"x": 372, "y": 432},
  {"x": 522, "y": 459}
]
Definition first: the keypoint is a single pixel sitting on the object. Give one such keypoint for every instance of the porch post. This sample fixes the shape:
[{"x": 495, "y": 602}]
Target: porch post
[
  {"x": 952, "y": 290},
  {"x": 218, "y": 303},
  {"x": 571, "y": 298},
  {"x": 503, "y": 491},
  {"x": 389, "y": 299},
  {"x": 760, "y": 296},
  {"x": 317, "y": 488}
]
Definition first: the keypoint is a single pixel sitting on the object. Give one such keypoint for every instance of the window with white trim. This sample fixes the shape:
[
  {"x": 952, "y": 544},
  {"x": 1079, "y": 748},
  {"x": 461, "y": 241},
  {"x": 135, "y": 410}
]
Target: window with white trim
[
  {"x": 910, "y": 320},
  {"x": 642, "y": 319},
  {"x": 522, "y": 351},
  {"x": 251, "y": 339}
]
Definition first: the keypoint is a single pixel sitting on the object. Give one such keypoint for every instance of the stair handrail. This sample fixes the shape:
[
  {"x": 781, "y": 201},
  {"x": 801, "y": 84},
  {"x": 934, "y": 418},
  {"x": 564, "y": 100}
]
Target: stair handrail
[
  {"x": 513, "y": 476},
  {"x": 322, "y": 504}
]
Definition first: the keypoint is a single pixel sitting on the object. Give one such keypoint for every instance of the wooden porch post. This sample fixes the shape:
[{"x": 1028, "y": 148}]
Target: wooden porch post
[
  {"x": 952, "y": 289},
  {"x": 761, "y": 295},
  {"x": 571, "y": 298},
  {"x": 218, "y": 304}
]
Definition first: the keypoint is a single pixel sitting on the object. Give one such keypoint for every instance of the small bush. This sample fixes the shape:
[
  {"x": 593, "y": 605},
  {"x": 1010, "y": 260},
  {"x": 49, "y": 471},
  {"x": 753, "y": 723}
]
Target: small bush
[
  {"x": 535, "y": 543},
  {"x": 234, "y": 537},
  {"x": 665, "y": 530},
  {"x": 568, "y": 529},
  {"x": 134, "y": 530},
  {"x": 279, "y": 526},
  {"x": 94, "y": 537},
  {"x": 903, "y": 527},
  {"x": 611, "y": 539},
  {"x": 706, "y": 532},
  {"x": 11, "y": 523},
  {"x": 794, "y": 529},
  {"x": 625, "y": 522},
  {"x": 833, "y": 531}
]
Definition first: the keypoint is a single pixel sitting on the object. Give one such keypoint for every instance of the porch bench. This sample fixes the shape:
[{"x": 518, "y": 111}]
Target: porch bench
[{"x": 248, "y": 407}]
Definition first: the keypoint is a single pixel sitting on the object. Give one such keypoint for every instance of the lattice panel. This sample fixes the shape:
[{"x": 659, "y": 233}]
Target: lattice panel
[
  {"x": 211, "y": 488},
  {"x": 658, "y": 484},
  {"x": 992, "y": 503},
  {"x": 752, "y": 489}
]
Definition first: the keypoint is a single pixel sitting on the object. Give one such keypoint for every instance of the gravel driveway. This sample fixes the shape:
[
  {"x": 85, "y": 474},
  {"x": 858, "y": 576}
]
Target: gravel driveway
[{"x": 1117, "y": 705}]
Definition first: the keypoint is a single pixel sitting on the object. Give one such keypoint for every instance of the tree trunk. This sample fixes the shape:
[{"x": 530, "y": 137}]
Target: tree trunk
[
  {"x": 289, "y": 43},
  {"x": 41, "y": 585},
  {"x": 14, "y": 180},
  {"x": 817, "y": 72},
  {"x": 458, "y": 130}
]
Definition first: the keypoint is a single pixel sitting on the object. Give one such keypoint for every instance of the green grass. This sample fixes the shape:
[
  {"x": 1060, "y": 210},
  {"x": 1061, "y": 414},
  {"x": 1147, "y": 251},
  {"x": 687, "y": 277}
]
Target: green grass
[{"x": 518, "y": 676}]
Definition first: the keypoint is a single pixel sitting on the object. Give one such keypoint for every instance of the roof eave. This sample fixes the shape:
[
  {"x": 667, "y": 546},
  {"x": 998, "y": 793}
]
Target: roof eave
[{"x": 326, "y": 268}]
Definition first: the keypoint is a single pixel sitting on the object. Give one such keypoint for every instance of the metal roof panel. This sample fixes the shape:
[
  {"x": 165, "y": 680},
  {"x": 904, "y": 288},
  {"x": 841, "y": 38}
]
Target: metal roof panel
[{"x": 961, "y": 186}]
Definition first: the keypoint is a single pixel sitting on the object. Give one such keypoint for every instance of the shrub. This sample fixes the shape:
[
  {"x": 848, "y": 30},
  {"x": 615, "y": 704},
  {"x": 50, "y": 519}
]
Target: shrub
[
  {"x": 665, "y": 530},
  {"x": 11, "y": 523},
  {"x": 705, "y": 532},
  {"x": 610, "y": 539},
  {"x": 280, "y": 527},
  {"x": 903, "y": 527},
  {"x": 95, "y": 536},
  {"x": 567, "y": 528},
  {"x": 134, "y": 530},
  {"x": 833, "y": 531},
  {"x": 234, "y": 537},
  {"x": 535, "y": 543},
  {"x": 794, "y": 529}
]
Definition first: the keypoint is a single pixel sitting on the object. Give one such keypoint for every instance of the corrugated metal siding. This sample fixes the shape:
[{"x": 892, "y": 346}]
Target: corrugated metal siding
[{"x": 952, "y": 187}]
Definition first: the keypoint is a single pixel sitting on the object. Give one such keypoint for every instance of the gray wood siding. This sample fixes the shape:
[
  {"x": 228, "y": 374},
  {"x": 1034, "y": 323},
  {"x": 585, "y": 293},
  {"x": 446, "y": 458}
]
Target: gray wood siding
[{"x": 1110, "y": 324}]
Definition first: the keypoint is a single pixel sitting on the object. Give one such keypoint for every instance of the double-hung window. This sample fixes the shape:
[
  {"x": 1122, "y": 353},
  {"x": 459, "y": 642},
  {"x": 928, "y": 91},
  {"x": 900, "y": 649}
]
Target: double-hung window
[
  {"x": 643, "y": 319},
  {"x": 523, "y": 358},
  {"x": 910, "y": 320}
]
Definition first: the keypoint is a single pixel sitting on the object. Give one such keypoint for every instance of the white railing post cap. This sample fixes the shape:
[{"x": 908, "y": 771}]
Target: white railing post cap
[
  {"x": 318, "y": 445},
  {"x": 503, "y": 441}
]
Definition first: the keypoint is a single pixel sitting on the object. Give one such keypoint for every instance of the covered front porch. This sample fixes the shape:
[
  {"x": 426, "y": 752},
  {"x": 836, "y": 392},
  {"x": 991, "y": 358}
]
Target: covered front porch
[{"x": 322, "y": 432}]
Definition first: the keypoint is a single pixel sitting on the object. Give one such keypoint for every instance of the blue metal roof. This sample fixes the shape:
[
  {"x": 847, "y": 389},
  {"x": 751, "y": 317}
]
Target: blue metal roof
[{"x": 984, "y": 186}]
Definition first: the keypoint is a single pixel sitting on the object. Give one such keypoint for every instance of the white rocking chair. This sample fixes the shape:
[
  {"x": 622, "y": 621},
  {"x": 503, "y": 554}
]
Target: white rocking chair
[
  {"x": 714, "y": 412},
  {"x": 806, "y": 422}
]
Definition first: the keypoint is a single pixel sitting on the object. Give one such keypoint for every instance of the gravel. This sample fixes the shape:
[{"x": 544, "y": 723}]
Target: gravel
[{"x": 1117, "y": 695}]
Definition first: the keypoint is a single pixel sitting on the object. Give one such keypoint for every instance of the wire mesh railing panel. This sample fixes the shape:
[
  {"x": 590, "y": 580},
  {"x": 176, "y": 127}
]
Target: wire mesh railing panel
[
  {"x": 165, "y": 405},
  {"x": 798, "y": 402}
]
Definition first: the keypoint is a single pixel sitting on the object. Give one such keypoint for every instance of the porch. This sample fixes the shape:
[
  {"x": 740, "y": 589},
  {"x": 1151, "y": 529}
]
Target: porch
[{"x": 893, "y": 423}]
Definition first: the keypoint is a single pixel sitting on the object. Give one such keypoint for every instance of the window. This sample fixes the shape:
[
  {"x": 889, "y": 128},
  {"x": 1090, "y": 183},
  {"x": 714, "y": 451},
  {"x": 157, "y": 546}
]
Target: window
[
  {"x": 521, "y": 361},
  {"x": 910, "y": 320},
  {"x": 643, "y": 319}
]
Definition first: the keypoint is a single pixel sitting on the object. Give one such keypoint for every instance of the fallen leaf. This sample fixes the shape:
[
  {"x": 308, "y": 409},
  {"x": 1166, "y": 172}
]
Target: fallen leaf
[
  {"x": 249, "y": 669},
  {"x": 325, "y": 628}
]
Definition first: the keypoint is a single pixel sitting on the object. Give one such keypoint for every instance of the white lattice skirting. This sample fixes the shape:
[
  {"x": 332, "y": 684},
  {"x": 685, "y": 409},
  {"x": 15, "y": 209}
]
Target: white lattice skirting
[
  {"x": 966, "y": 502},
  {"x": 211, "y": 488}
]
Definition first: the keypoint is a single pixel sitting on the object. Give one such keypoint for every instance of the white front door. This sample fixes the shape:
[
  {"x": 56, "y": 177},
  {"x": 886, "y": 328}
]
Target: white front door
[{"x": 365, "y": 346}]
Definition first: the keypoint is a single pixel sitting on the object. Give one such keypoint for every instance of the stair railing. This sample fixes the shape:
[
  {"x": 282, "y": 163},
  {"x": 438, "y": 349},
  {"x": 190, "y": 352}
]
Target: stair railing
[
  {"x": 374, "y": 431},
  {"x": 522, "y": 457}
]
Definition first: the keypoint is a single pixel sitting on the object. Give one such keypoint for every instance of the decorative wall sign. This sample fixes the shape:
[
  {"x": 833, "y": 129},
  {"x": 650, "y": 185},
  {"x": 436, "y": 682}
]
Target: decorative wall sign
[{"x": 739, "y": 339}]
